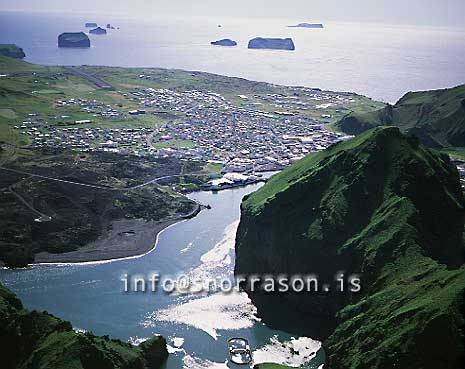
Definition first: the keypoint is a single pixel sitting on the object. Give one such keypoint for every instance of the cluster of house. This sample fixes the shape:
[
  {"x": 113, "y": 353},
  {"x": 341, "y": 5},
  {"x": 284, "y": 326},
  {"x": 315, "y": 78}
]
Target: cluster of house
[
  {"x": 205, "y": 126},
  {"x": 93, "y": 107}
]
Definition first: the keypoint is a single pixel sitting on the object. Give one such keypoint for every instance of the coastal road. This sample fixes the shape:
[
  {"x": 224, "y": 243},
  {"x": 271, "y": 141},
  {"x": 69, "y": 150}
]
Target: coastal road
[
  {"x": 42, "y": 217},
  {"x": 91, "y": 78},
  {"x": 152, "y": 181}
]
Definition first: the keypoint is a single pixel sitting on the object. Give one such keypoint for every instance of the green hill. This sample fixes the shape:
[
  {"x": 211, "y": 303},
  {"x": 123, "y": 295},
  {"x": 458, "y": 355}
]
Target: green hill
[
  {"x": 380, "y": 206},
  {"x": 436, "y": 117},
  {"x": 12, "y": 51},
  {"x": 38, "y": 340}
]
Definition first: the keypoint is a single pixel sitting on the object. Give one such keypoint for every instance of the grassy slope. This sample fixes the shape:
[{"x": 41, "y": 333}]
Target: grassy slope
[
  {"x": 375, "y": 216},
  {"x": 11, "y": 51},
  {"x": 436, "y": 117},
  {"x": 41, "y": 341}
]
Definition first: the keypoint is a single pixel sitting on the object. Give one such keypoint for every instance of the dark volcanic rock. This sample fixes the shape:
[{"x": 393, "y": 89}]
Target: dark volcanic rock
[
  {"x": 380, "y": 206},
  {"x": 12, "y": 51},
  {"x": 272, "y": 43},
  {"x": 73, "y": 39},
  {"x": 224, "y": 42},
  {"x": 98, "y": 31}
]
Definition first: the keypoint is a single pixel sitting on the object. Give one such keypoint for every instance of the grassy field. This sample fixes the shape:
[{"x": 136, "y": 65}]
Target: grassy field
[
  {"x": 173, "y": 143},
  {"x": 33, "y": 89}
]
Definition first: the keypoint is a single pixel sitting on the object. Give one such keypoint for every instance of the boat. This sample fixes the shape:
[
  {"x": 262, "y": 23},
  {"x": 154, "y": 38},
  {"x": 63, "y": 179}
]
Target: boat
[{"x": 239, "y": 351}]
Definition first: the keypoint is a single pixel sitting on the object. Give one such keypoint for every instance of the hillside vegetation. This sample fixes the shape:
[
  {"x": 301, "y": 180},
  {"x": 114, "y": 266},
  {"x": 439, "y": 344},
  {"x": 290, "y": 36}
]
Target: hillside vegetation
[
  {"x": 436, "y": 117},
  {"x": 381, "y": 206},
  {"x": 38, "y": 340},
  {"x": 12, "y": 51}
]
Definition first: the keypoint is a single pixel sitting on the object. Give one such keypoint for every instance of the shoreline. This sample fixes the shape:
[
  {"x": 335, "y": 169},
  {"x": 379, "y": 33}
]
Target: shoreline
[
  {"x": 131, "y": 246},
  {"x": 93, "y": 254}
]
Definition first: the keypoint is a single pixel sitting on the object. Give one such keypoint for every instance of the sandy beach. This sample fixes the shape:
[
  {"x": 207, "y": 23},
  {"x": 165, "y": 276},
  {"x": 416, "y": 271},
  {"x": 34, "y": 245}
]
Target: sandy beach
[{"x": 126, "y": 238}]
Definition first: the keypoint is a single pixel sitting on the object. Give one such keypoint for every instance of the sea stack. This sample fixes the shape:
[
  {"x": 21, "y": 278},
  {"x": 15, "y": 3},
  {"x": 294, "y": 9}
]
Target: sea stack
[
  {"x": 73, "y": 39},
  {"x": 98, "y": 31},
  {"x": 224, "y": 42},
  {"x": 91, "y": 25},
  {"x": 272, "y": 43}
]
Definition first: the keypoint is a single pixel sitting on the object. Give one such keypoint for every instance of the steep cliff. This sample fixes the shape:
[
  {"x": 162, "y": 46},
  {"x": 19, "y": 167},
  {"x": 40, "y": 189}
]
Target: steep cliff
[
  {"x": 436, "y": 117},
  {"x": 73, "y": 39},
  {"x": 31, "y": 339},
  {"x": 380, "y": 206}
]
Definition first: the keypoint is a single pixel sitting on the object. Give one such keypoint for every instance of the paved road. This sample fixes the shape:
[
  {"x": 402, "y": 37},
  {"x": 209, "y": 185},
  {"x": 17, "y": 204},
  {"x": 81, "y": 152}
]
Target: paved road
[
  {"x": 91, "y": 78},
  {"x": 155, "y": 180},
  {"x": 42, "y": 217}
]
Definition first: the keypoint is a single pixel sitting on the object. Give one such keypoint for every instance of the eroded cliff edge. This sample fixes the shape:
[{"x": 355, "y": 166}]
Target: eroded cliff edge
[{"x": 379, "y": 205}]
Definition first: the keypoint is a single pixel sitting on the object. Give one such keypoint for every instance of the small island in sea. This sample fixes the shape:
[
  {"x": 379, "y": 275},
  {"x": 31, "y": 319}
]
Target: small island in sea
[
  {"x": 308, "y": 25},
  {"x": 271, "y": 43},
  {"x": 73, "y": 39},
  {"x": 98, "y": 31},
  {"x": 12, "y": 51},
  {"x": 224, "y": 42},
  {"x": 91, "y": 25}
]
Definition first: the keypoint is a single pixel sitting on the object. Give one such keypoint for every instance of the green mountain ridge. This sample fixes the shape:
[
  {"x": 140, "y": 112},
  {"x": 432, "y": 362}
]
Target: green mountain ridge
[
  {"x": 365, "y": 206},
  {"x": 38, "y": 340},
  {"x": 436, "y": 117}
]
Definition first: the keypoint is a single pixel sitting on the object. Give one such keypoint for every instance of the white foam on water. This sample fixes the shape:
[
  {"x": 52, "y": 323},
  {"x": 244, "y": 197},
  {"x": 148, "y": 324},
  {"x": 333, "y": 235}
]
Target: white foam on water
[
  {"x": 215, "y": 264},
  {"x": 218, "y": 254},
  {"x": 173, "y": 349},
  {"x": 187, "y": 248},
  {"x": 177, "y": 341},
  {"x": 190, "y": 362},
  {"x": 220, "y": 311},
  {"x": 136, "y": 341},
  {"x": 296, "y": 352}
]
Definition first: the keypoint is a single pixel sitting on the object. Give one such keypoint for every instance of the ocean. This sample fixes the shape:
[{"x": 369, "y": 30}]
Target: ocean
[{"x": 380, "y": 61}]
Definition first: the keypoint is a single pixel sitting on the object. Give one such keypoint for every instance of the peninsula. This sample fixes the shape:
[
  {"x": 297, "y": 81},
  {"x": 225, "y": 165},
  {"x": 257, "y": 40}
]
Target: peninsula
[{"x": 92, "y": 173}]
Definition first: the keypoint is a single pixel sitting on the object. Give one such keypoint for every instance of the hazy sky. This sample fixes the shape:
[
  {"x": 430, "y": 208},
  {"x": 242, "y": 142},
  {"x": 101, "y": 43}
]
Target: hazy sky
[{"x": 429, "y": 12}]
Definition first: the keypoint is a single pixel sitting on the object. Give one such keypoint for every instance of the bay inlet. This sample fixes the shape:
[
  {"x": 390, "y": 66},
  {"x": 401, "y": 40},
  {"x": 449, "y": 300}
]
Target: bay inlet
[{"x": 197, "y": 327}]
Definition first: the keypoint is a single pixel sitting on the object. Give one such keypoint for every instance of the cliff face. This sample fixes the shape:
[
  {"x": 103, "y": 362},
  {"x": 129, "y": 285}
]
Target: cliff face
[
  {"x": 12, "y": 51},
  {"x": 41, "y": 341},
  {"x": 380, "y": 206},
  {"x": 436, "y": 117},
  {"x": 272, "y": 43},
  {"x": 73, "y": 39}
]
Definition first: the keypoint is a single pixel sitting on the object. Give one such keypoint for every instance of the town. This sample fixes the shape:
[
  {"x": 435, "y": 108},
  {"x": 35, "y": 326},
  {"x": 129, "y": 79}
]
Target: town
[{"x": 200, "y": 126}]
